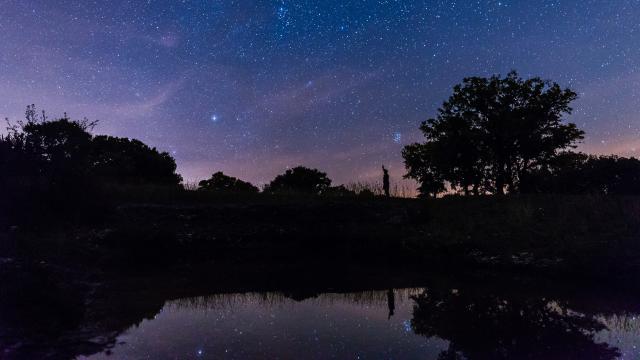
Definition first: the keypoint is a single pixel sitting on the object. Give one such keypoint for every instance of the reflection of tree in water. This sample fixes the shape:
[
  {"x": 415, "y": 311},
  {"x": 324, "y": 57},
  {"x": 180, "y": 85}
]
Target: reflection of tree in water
[
  {"x": 274, "y": 298},
  {"x": 47, "y": 316},
  {"x": 486, "y": 326}
]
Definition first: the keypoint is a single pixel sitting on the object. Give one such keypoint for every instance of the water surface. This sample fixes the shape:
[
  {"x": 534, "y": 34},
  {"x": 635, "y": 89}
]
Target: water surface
[
  {"x": 372, "y": 324},
  {"x": 417, "y": 323},
  {"x": 316, "y": 315}
]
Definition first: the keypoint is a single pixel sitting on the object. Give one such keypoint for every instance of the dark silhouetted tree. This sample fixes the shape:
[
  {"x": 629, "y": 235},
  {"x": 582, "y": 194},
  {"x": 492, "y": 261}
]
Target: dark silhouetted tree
[
  {"x": 563, "y": 174},
  {"x": 122, "y": 160},
  {"x": 45, "y": 168},
  {"x": 577, "y": 173},
  {"x": 300, "y": 180},
  {"x": 421, "y": 166},
  {"x": 614, "y": 175},
  {"x": 53, "y": 166},
  {"x": 13, "y": 158},
  {"x": 220, "y": 182},
  {"x": 64, "y": 148},
  {"x": 58, "y": 150},
  {"x": 492, "y": 131}
]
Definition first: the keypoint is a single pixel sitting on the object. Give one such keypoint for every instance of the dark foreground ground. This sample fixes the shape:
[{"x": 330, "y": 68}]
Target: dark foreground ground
[
  {"x": 570, "y": 234},
  {"x": 76, "y": 287}
]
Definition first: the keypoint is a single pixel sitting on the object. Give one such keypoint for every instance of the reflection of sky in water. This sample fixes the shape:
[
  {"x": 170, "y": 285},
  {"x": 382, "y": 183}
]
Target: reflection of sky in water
[
  {"x": 342, "y": 326},
  {"x": 623, "y": 333}
]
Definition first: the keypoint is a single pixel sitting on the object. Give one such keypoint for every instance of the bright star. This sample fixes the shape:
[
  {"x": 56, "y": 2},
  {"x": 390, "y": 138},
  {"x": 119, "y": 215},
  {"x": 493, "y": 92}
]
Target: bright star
[{"x": 214, "y": 118}]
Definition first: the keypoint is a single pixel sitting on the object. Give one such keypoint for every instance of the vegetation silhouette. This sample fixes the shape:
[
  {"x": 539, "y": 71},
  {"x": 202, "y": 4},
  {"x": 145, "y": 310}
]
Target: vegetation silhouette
[
  {"x": 339, "y": 191},
  {"x": 496, "y": 135},
  {"x": 366, "y": 193},
  {"x": 61, "y": 148},
  {"x": 490, "y": 133},
  {"x": 300, "y": 180},
  {"x": 45, "y": 167},
  {"x": 51, "y": 150},
  {"x": 219, "y": 182},
  {"x": 578, "y": 173},
  {"x": 123, "y": 160},
  {"x": 487, "y": 325},
  {"x": 50, "y": 168}
]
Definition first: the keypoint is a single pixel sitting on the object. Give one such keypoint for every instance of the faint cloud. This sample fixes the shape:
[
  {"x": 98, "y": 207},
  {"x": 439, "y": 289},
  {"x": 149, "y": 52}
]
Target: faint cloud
[
  {"x": 148, "y": 105},
  {"x": 307, "y": 95},
  {"x": 168, "y": 40}
]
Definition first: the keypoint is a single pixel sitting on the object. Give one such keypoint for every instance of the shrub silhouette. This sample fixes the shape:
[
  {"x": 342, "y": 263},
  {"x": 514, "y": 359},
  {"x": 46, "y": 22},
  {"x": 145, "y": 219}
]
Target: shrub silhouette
[
  {"x": 366, "y": 193},
  {"x": 65, "y": 149},
  {"x": 50, "y": 167},
  {"x": 123, "y": 160},
  {"x": 339, "y": 191},
  {"x": 300, "y": 180},
  {"x": 220, "y": 182},
  {"x": 53, "y": 149},
  {"x": 578, "y": 173},
  {"x": 45, "y": 168}
]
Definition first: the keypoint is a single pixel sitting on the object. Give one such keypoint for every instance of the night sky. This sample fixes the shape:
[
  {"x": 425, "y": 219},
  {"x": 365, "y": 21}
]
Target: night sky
[{"x": 253, "y": 87}]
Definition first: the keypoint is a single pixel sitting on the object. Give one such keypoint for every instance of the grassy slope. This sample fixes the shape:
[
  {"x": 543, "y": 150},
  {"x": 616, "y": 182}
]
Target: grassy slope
[
  {"x": 583, "y": 231},
  {"x": 169, "y": 228}
]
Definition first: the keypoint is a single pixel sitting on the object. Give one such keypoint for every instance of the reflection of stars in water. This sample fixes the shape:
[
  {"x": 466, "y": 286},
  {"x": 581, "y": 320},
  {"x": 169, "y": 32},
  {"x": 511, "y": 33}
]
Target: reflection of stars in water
[
  {"x": 282, "y": 12},
  {"x": 407, "y": 325},
  {"x": 397, "y": 137},
  {"x": 199, "y": 352}
]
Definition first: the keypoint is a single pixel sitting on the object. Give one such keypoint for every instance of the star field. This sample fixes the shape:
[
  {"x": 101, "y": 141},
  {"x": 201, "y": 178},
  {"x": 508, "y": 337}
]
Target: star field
[{"x": 253, "y": 87}]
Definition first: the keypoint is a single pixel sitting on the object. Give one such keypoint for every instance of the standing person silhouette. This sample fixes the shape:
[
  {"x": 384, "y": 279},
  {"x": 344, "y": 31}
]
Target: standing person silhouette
[{"x": 385, "y": 181}]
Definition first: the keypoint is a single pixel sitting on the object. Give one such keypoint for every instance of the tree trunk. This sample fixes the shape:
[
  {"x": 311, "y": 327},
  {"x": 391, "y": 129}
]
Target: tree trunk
[{"x": 500, "y": 181}]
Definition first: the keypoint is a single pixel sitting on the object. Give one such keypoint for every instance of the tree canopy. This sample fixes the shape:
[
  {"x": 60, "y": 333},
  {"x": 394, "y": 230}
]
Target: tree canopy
[
  {"x": 53, "y": 149},
  {"x": 490, "y": 133},
  {"x": 300, "y": 180},
  {"x": 126, "y": 160},
  {"x": 578, "y": 173},
  {"x": 65, "y": 150},
  {"x": 220, "y": 182}
]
